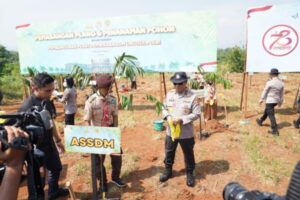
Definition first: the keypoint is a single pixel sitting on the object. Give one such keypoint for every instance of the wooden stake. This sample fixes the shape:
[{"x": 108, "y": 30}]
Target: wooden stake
[
  {"x": 61, "y": 83},
  {"x": 226, "y": 115},
  {"x": 246, "y": 93},
  {"x": 296, "y": 98},
  {"x": 164, "y": 82},
  {"x": 117, "y": 91},
  {"x": 94, "y": 176},
  {"x": 25, "y": 91},
  {"x": 245, "y": 63},
  {"x": 160, "y": 87},
  {"x": 242, "y": 96}
]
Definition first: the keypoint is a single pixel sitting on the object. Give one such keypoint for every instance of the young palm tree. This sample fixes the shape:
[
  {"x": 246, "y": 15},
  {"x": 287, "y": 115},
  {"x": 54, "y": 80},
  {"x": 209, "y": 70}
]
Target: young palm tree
[
  {"x": 27, "y": 80},
  {"x": 81, "y": 79},
  {"x": 216, "y": 77},
  {"x": 126, "y": 66}
]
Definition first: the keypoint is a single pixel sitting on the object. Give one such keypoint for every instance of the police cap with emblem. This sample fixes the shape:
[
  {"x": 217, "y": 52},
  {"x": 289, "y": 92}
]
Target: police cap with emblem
[
  {"x": 274, "y": 71},
  {"x": 104, "y": 81},
  {"x": 179, "y": 77}
]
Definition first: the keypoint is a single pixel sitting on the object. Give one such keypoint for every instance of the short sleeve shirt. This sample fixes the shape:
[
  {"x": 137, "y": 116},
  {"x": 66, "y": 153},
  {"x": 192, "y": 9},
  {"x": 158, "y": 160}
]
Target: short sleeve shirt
[{"x": 100, "y": 110}]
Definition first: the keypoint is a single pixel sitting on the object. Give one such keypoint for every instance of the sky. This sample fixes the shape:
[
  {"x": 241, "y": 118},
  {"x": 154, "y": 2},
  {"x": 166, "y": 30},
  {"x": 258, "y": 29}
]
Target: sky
[{"x": 231, "y": 27}]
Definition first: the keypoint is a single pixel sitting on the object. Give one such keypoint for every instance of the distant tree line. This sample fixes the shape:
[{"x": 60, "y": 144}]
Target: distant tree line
[
  {"x": 10, "y": 78},
  {"x": 231, "y": 59},
  {"x": 7, "y": 58}
]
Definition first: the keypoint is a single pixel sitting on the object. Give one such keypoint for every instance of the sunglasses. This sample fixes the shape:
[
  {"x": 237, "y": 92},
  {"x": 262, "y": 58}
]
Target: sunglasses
[{"x": 177, "y": 83}]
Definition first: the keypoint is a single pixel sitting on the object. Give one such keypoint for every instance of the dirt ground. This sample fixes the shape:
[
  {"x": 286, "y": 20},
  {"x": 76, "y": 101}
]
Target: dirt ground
[{"x": 241, "y": 151}]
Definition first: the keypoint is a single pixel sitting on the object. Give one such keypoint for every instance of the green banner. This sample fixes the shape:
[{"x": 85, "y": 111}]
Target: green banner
[{"x": 162, "y": 43}]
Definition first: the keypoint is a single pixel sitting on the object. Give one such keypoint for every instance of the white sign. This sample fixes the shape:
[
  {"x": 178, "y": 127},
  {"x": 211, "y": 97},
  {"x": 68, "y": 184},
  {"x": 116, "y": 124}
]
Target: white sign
[{"x": 273, "y": 38}]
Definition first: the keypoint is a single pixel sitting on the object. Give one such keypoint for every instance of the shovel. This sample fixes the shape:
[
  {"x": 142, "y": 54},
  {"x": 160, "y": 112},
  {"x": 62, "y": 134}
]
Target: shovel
[
  {"x": 202, "y": 135},
  {"x": 226, "y": 115}
]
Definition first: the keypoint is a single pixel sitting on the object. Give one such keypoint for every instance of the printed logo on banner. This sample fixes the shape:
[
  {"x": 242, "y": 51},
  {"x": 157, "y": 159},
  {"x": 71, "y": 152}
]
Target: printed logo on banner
[{"x": 280, "y": 40}]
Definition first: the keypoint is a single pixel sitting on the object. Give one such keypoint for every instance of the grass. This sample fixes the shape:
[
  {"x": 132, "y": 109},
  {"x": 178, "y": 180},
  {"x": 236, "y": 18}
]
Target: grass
[
  {"x": 11, "y": 87},
  {"x": 83, "y": 196},
  {"x": 157, "y": 136},
  {"x": 81, "y": 168},
  {"x": 296, "y": 148},
  {"x": 126, "y": 119},
  {"x": 271, "y": 169},
  {"x": 129, "y": 164},
  {"x": 77, "y": 119},
  {"x": 289, "y": 142}
]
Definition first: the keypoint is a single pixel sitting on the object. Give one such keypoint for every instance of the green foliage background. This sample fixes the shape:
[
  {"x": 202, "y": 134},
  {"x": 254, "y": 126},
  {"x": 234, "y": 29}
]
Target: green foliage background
[
  {"x": 231, "y": 59},
  {"x": 10, "y": 78}
]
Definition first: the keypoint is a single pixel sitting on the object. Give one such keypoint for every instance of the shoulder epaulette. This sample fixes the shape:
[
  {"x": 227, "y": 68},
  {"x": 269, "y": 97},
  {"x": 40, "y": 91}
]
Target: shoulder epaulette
[{"x": 92, "y": 98}]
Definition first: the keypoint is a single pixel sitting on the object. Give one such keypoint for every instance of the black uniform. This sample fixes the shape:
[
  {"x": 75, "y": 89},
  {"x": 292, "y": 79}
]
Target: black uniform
[{"x": 51, "y": 158}]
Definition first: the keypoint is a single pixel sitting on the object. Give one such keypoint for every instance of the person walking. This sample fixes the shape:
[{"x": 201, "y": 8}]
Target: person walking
[{"x": 273, "y": 96}]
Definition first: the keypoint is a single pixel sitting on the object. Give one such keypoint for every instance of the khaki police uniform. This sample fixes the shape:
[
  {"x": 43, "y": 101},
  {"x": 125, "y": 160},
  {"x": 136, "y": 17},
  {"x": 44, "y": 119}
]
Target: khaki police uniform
[
  {"x": 273, "y": 96},
  {"x": 186, "y": 107},
  {"x": 100, "y": 111}
]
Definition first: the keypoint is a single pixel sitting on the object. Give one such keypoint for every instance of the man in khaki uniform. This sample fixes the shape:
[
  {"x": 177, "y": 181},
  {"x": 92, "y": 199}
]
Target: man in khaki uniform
[
  {"x": 180, "y": 107},
  {"x": 101, "y": 110}
]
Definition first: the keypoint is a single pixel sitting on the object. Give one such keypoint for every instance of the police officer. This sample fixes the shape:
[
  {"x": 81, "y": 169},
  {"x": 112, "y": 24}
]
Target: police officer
[
  {"x": 101, "y": 110},
  {"x": 43, "y": 86},
  {"x": 273, "y": 96},
  {"x": 181, "y": 108}
]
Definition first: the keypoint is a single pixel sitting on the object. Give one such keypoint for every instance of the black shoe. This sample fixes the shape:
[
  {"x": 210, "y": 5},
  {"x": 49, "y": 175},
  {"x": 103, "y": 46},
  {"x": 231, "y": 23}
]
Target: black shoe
[
  {"x": 296, "y": 125},
  {"x": 61, "y": 192},
  {"x": 118, "y": 182},
  {"x": 190, "y": 180},
  {"x": 165, "y": 175},
  {"x": 259, "y": 122},
  {"x": 274, "y": 132}
]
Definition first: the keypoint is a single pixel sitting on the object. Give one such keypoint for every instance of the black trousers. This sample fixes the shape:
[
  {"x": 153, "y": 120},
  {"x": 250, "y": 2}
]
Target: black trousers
[
  {"x": 187, "y": 146},
  {"x": 70, "y": 119},
  {"x": 298, "y": 120},
  {"x": 116, "y": 164},
  {"x": 269, "y": 112},
  {"x": 53, "y": 165}
]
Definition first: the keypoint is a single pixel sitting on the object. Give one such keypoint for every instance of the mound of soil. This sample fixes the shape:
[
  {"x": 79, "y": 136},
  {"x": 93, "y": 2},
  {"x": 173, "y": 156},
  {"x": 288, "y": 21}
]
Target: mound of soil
[{"x": 214, "y": 126}]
